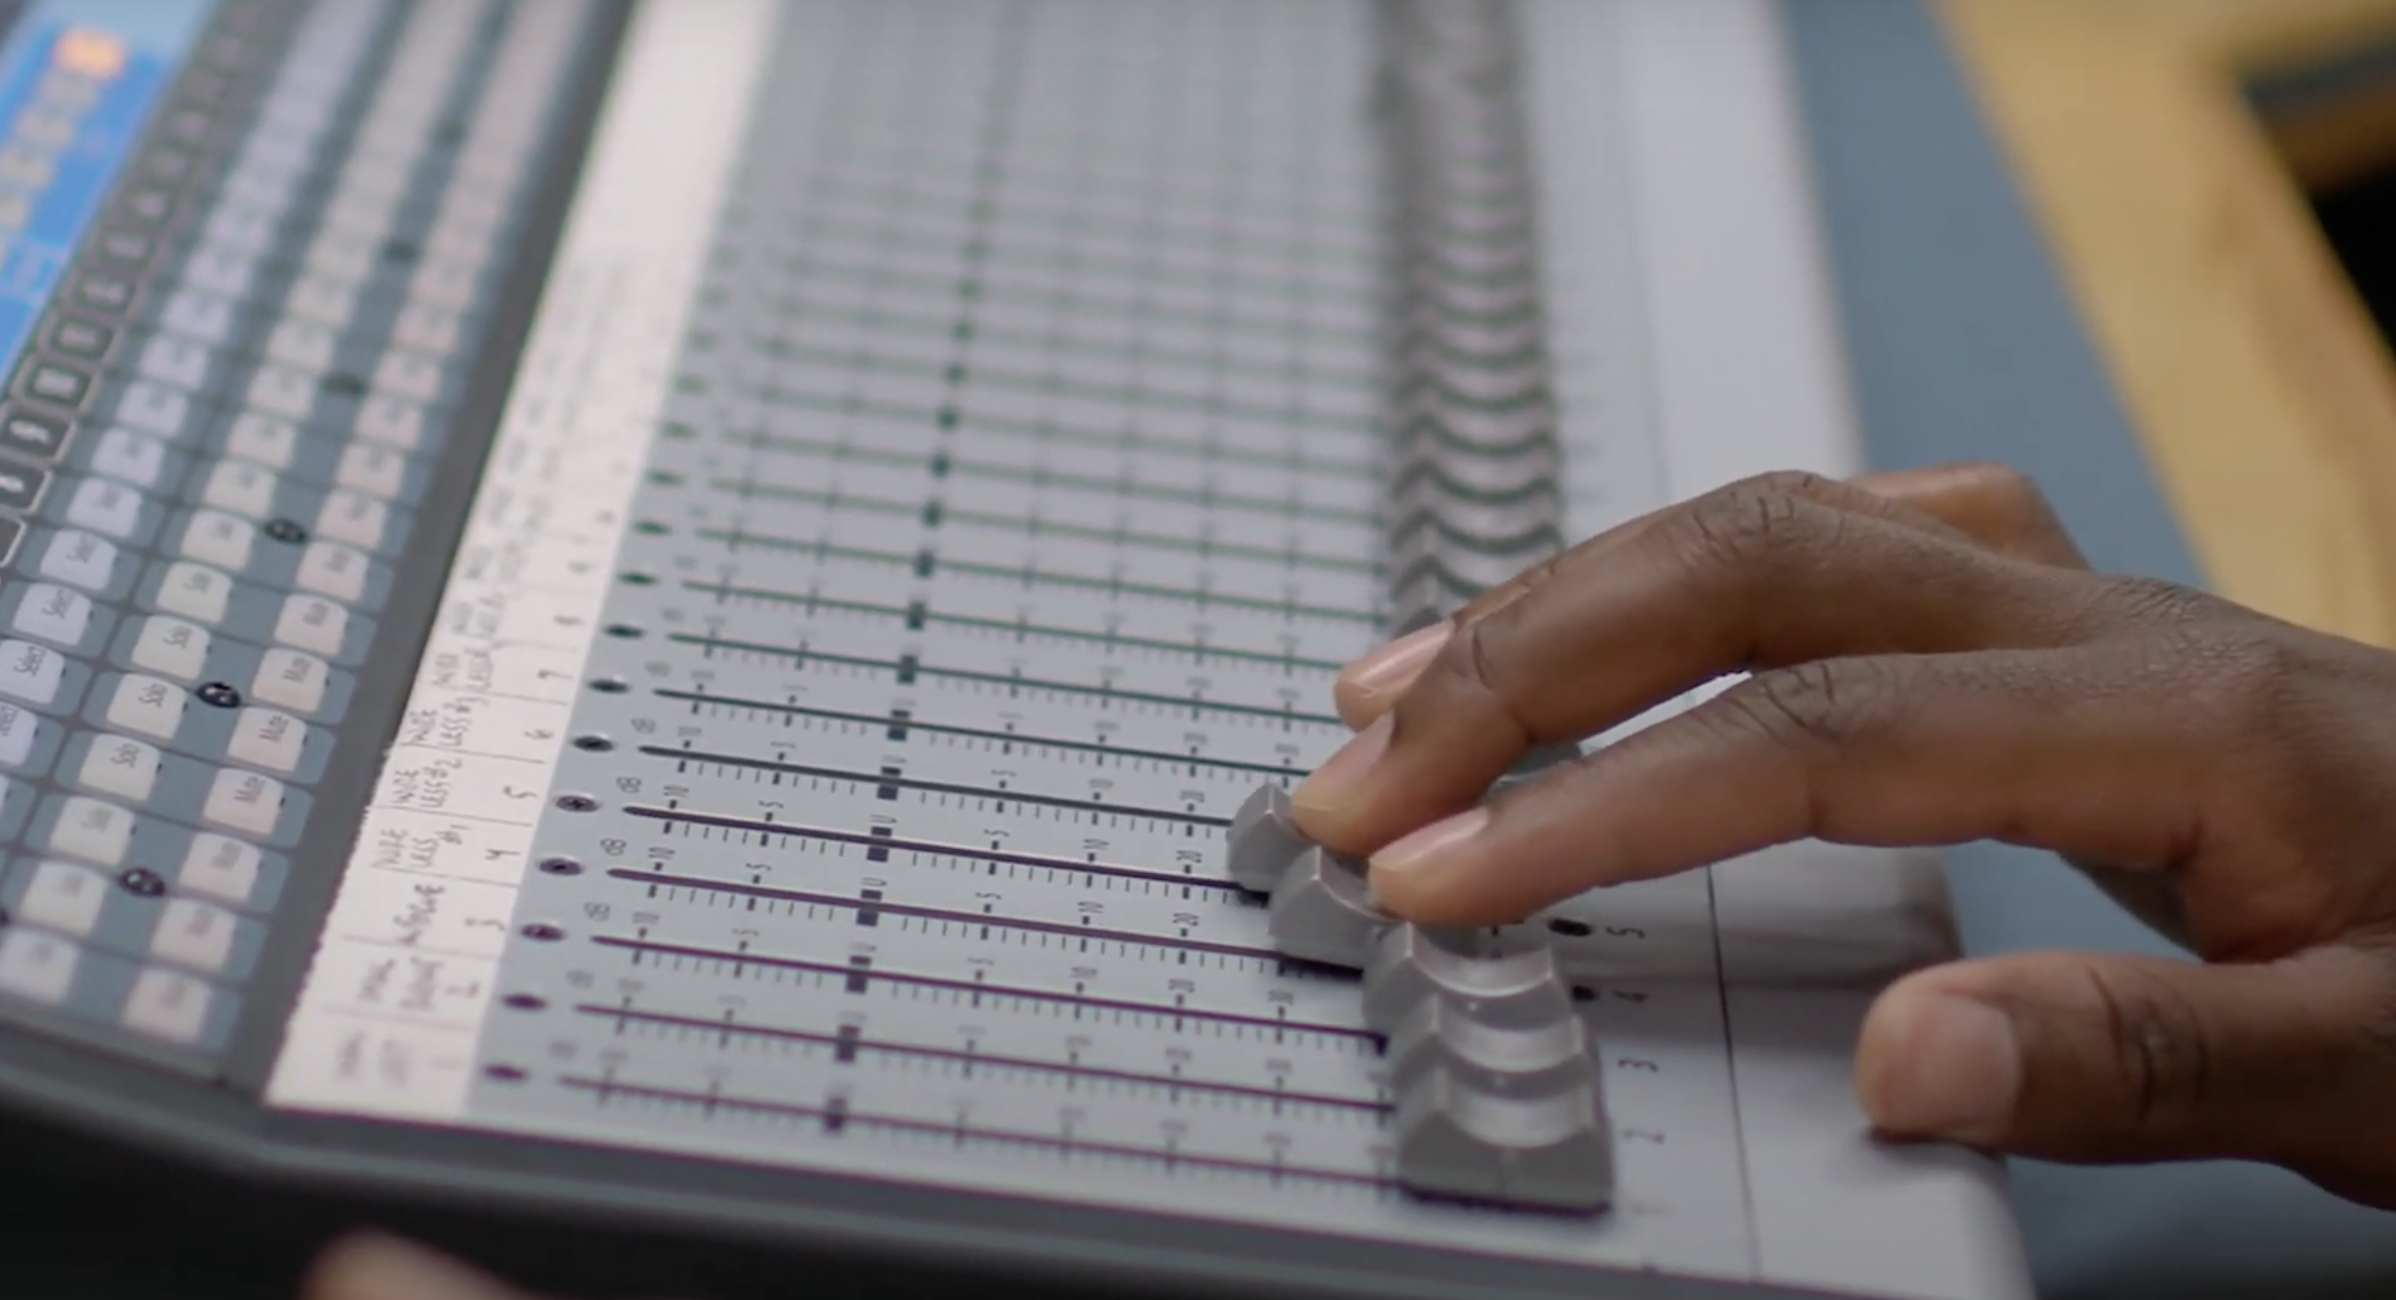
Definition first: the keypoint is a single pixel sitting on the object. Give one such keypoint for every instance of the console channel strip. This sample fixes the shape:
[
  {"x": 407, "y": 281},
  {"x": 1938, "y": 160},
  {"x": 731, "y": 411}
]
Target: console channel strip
[
  {"x": 1495, "y": 1092},
  {"x": 670, "y": 609}
]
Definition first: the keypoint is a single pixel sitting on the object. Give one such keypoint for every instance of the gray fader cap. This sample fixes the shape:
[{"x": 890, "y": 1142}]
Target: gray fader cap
[
  {"x": 1548, "y": 1151},
  {"x": 1264, "y": 840},
  {"x": 1505, "y": 981},
  {"x": 1525, "y": 1060},
  {"x": 1322, "y": 911}
]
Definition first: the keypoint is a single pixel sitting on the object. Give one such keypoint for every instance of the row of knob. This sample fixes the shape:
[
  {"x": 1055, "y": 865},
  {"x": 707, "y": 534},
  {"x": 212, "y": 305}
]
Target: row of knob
[
  {"x": 1495, "y": 1080},
  {"x": 1470, "y": 409},
  {"x": 1494, "y": 1075}
]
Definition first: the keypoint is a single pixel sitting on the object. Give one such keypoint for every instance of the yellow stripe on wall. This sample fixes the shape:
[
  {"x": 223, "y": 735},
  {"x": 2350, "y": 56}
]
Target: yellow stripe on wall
[{"x": 2263, "y": 393}]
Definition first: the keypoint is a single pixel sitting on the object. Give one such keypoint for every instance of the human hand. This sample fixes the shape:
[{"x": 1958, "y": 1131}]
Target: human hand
[
  {"x": 372, "y": 1266},
  {"x": 1933, "y": 663}
]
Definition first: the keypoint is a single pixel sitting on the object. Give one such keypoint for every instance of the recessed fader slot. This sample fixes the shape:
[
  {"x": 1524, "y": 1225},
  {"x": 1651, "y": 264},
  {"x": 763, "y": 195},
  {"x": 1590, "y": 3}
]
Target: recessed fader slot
[{"x": 1498, "y": 1098}]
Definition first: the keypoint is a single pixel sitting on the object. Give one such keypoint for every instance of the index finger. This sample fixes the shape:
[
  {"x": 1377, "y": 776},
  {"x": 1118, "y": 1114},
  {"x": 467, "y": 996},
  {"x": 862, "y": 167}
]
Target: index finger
[{"x": 1982, "y": 503}]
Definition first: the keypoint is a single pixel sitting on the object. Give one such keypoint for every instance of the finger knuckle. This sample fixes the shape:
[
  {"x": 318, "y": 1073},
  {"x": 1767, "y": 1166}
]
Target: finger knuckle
[
  {"x": 2150, "y": 605},
  {"x": 1470, "y": 670},
  {"x": 2243, "y": 682},
  {"x": 1793, "y": 483},
  {"x": 1821, "y": 703},
  {"x": 1749, "y": 527},
  {"x": 2008, "y": 491},
  {"x": 2165, "y": 1050}
]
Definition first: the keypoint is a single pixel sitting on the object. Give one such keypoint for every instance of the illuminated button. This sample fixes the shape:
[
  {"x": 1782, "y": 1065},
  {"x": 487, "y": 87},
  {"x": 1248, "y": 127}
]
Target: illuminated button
[
  {"x": 82, "y": 338},
  {"x": 334, "y": 570},
  {"x": 340, "y": 253},
  {"x": 168, "y": 1005},
  {"x": 146, "y": 205},
  {"x": 303, "y": 343},
  {"x": 195, "y": 591},
  {"x": 241, "y": 487},
  {"x": 129, "y": 456},
  {"x": 372, "y": 468},
  {"x": 59, "y": 615},
  {"x": 171, "y": 647},
  {"x": 176, "y": 360},
  {"x": 464, "y": 242},
  {"x": 126, "y": 246},
  {"x": 148, "y": 706},
  {"x": 108, "y": 293},
  {"x": 391, "y": 420},
  {"x": 355, "y": 518},
  {"x": 45, "y": 125},
  {"x": 246, "y": 226},
  {"x": 427, "y": 328},
  {"x": 29, "y": 672},
  {"x": 52, "y": 382},
  {"x": 450, "y": 284},
  {"x": 92, "y": 830},
  {"x": 323, "y": 298},
  {"x": 127, "y": 769},
  {"x": 105, "y": 506},
  {"x": 64, "y": 897},
  {"x": 193, "y": 934},
  {"x": 409, "y": 374},
  {"x": 313, "y": 623},
  {"x": 221, "y": 268},
  {"x": 171, "y": 165},
  {"x": 157, "y": 408},
  {"x": 221, "y": 867},
  {"x": 264, "y": 438},
  {"x": 30, "y": 433},
  {"x": 204, "y": 316},
  {"x": 18, "y": 730},
  {"x": 372, "y": 186},
  {"x": 291, "y": 679},
  {"x": 283, "y": 391},
  {"x": 80, "y": 559},
  {"x": 36, "y": 967},
  {"x": 244, "y": 801},
  {"x": 268, "y": 738},
  {"x": 219, "y": 539},
  {"x": 21, "y": 486},
  {"x": 25, "y": 168}
]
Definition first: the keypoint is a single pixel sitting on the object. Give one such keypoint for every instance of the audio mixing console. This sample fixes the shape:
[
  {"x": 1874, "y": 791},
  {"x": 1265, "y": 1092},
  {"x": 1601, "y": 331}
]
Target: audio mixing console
[{"x": 697, "y": 613}]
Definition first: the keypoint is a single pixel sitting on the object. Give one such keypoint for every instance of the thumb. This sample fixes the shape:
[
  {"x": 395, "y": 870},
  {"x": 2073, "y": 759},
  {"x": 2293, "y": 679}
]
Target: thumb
[{"x": 2106, "y": 1057}]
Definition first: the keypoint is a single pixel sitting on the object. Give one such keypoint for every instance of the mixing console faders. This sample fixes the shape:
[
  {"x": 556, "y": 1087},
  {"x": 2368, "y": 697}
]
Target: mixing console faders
[
  {"x": 704, "y": 611},
  {"x": 1495, "y": 1086}
]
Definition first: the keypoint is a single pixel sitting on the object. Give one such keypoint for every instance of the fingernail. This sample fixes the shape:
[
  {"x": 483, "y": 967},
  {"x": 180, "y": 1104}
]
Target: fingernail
[
  {"x": 1429, "y": 850},
  {"x": 1388, "y": 669},
  {"x": 1955, "y": 1072},
  {"x": 1341, "y": 775}
]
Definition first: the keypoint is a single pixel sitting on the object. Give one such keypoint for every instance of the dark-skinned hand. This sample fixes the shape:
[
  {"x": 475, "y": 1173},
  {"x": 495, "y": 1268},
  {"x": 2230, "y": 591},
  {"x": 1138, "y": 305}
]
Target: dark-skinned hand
[{"x": 1924, "y": 659}]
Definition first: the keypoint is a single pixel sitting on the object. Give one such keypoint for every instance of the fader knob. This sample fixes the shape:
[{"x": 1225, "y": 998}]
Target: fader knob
[
  {"x": 1548, "y": 1151},
  {"x": 1528, "y": 1060},
  {"x": 1264, "y": 840},
  {"x": 1322, "y": 911},
  {"x": 1502, "y": 981}
]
